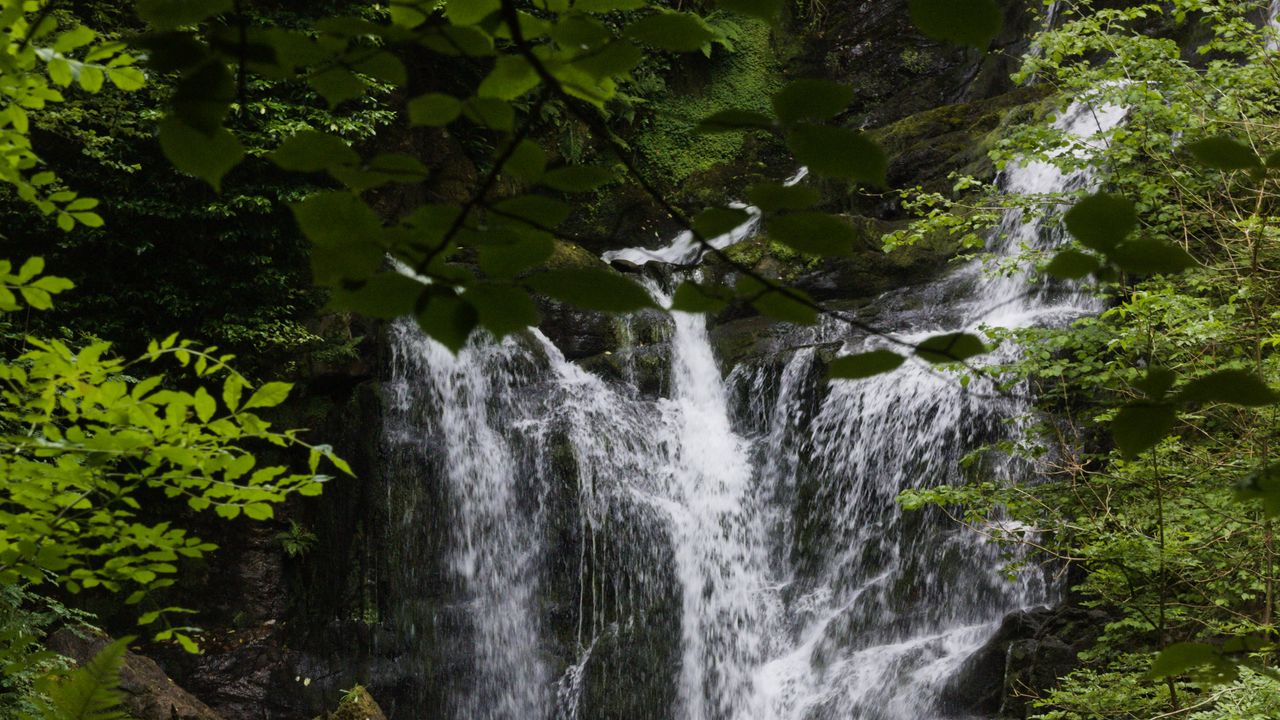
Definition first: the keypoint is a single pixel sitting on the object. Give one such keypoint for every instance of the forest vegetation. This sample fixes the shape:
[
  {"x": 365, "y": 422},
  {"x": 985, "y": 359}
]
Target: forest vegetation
[{"x": 206, "y": 202}]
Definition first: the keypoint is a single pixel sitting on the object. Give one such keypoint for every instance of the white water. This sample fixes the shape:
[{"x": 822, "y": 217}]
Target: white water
[
  {"x": 763, "y": 504},
  {"x": 685, "y": 250}
]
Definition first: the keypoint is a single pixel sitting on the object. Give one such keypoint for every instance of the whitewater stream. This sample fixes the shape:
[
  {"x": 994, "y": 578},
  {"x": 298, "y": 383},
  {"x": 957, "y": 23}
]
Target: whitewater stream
[{"x": 743, "y": 519}]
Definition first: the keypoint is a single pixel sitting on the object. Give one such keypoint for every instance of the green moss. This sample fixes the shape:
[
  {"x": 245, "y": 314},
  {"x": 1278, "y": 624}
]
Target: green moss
[
  {"x": 568, "y": 256},
  {"x": 744, "y": 78}
]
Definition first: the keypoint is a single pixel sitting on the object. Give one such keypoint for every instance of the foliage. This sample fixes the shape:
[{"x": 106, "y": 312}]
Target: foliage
[
  {"x": 90, "y": 692},
  {"x": 297, "y": 540},
  {"x": 1158, "y": 421}
]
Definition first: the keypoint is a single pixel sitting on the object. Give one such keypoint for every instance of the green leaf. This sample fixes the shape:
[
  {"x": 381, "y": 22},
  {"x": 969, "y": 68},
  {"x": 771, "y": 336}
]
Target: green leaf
[
  {"x": 1072, "y": 265},
  {"x": 966, "y": 22},
  {"x": 1139, "y": 426},
  {"x": 1262, "y": 484},
  {"x": 814, "y": 233},
  {"x": 767, "y": 10},
  {"x": 171, "y": 14},
  {"x": 616, "y": 58},
  {"x": 527, "y": 162},
  {"x": 509, "y": 260},
  {"x": 470, "y": 12},
  {"x": 578, "y": 178},
  {"x": 259, "y": 511},
  {"x": 337, "y": 85},
  {"x": 838, "y": 152},
  {"x": 206, "y": 157},
  {"x": 811, "y": 100},
  {"x": 541, "y": 211},
  {"x": 772, "y": 197},
  {"x": 511, "y": 77},
  {"x": 90, "y": 692},
  {"x": 269, "y": 395},
  {"x": 951, "y": 347},
  {"x": 674, "y": 31},
  {"x": 434, "y": 109},
  {"x": 447, "y": 319},
  {"x": 734, "y": 120},
  {"x": 384, "y": 296},
  {"x": 717, "y": 221},
  {"x": 1151, "y": 257},
  {"x": 1234, "y": 387},
  {"x": 502, "y": 309},
  {"x": 864, "y": 365},
  {"x": 311, "y": 151},
  {"x": 1101, "y": 221},
  {"x": 1156, "y": 382},
  {"x": 778, "y": 303},
  {"x": 1225, "y": 153},
  {"x": 592, "y": 289},
  {"x": 490, "y": 112},
  {"x": 599, "y": 6},
  {"x": 334, "y": 218},
  {"x": 1179, "y": 659},
  {"x": 694, "y": 298}
]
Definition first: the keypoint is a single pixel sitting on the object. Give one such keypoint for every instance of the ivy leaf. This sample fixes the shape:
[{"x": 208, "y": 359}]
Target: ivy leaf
[
  {"x": 208, "y": 157},
  {"x": 592, "y": 289},
  {"x": 811, "y": 100},
  {"x": 951, "y": 347},
  {"x": 1072, "y": 265},
  {"x": 1225, "y": 153},
  {"x": 966, "y": 22},
  {"x": 674, "y": 31},
  {"x": 864, "y": 365},
  {"x": 311, "y": 151},
  {"x": 1139, "y": 426},
  {"x": 838, "y": 152},
  {"x": 734, "y": 120},
  {"x": 1234, "y": 387},
  {"x": 1101, "y": 221}
]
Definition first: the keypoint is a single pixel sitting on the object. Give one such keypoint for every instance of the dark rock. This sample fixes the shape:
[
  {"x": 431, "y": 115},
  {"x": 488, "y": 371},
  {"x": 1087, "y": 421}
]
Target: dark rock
[
  {"x": 1030, "y": 652},
  {"x": 149, "y": 693}
]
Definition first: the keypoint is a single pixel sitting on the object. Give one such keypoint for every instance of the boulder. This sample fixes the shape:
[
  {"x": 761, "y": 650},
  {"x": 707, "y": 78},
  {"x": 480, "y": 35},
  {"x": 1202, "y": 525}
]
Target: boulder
[
  {"x": 1030, "y": 652},
  {"x": 357, "y": 704},
  {"x": 149, "y": 693}
]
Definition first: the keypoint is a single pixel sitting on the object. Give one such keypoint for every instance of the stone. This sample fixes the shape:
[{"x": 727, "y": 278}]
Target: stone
[
  {"x": 357, "y": 704},
  {"x": 149, "y": 694}
]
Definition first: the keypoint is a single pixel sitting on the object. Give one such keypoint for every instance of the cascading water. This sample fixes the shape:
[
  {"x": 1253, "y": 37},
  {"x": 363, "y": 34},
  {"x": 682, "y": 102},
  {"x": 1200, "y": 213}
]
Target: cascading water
[{"x": 760, "y": 510}]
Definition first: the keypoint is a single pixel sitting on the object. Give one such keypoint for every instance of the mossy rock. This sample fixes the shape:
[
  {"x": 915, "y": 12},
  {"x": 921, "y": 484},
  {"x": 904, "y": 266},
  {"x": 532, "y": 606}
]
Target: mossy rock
[{"x": 357, "y": 704}]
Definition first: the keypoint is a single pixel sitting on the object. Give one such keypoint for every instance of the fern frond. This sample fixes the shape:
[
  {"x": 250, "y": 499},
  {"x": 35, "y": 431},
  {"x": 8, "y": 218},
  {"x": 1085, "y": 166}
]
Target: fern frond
[{"x": 91, "y": 691}]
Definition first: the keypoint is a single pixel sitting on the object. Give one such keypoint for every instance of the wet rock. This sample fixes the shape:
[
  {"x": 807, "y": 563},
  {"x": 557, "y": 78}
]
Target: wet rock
[
  {"x": 1030, "y": 652},
  {"x": 149, "y": 694}
]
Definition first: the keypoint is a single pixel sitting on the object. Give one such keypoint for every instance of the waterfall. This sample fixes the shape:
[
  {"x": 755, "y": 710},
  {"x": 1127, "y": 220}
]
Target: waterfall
[{"x": 746, "y": 527}]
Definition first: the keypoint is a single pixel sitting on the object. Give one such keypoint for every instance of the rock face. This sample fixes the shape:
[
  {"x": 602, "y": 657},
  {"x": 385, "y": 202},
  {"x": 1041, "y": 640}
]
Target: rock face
[
  {"x": 149, "y": 693},
  {"x": 1030, "y": 652}
]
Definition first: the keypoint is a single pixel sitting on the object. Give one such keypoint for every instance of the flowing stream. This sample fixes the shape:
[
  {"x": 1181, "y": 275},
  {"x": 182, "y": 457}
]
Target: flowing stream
[{"x": 733, "y": 542}]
